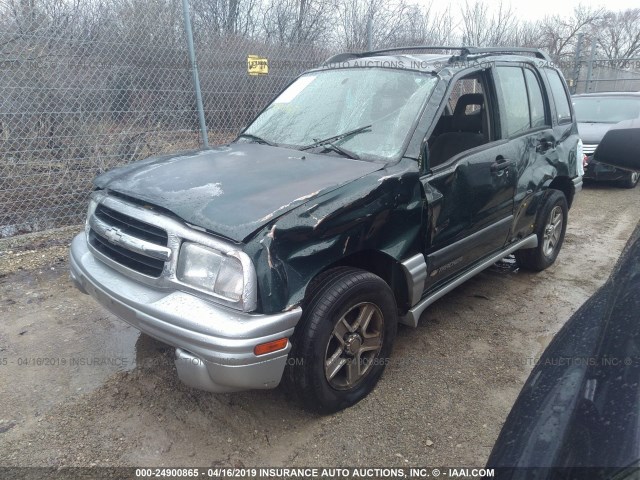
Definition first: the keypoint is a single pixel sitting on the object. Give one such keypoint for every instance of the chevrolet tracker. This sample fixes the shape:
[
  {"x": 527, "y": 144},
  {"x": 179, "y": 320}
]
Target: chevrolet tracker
[{"x": 368, "y": 189}]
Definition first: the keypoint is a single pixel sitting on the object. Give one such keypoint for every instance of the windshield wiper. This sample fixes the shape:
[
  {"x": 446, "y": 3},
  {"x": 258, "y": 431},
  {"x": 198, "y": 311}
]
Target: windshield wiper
[
  {"x": 257, "y": 139},
  {"x": 343, "y": 151},
  {"x": 335, "y": 138}
]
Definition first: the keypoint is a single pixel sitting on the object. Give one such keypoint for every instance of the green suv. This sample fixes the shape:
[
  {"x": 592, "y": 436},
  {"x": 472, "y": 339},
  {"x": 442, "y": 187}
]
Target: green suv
[{"x": 369, "y": 188}]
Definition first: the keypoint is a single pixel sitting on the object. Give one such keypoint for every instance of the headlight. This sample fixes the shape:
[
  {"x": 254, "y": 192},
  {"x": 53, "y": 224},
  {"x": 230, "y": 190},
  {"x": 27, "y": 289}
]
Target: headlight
[{"x": 210, "y": 270}]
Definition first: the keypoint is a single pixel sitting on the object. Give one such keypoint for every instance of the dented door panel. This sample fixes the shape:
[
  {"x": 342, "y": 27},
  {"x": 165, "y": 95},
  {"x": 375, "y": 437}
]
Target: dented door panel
[{"x": 474, "y": 197}]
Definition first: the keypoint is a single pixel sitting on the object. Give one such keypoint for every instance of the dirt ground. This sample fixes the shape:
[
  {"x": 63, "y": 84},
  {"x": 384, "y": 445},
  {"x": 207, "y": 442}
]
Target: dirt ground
[{"x": 81, "y": 388}]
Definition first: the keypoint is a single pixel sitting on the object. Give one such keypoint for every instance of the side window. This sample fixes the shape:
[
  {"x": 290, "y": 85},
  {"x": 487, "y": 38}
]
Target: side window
[
  {"x": 563, "y": 111},
  {"x": 462, "y": 87},
  {"x": 536, "y": 101},
  {"x": 514, "y": 112},
  {"x": 465, "y": 124}
]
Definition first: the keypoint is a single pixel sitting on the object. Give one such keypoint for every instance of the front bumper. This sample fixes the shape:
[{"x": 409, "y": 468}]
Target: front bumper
[{"x": 214, "y": 344}]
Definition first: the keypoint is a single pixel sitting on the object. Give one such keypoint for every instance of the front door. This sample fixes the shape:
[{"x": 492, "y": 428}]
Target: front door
[
  {"x": 471, "y": 209},
  {"x": 470, "y": 188}
]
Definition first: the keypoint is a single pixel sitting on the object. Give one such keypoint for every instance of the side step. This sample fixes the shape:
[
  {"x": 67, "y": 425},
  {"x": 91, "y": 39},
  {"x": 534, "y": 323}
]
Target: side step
[{"x": 413, "y": 315}]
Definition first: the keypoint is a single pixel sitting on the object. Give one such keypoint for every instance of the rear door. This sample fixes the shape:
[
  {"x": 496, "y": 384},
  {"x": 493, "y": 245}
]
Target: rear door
[{"x": 526, "y": 123}]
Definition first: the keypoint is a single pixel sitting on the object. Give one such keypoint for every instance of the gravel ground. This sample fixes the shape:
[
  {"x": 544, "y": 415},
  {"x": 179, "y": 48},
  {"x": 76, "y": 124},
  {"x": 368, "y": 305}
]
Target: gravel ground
[{"x": 108, "y": 396}]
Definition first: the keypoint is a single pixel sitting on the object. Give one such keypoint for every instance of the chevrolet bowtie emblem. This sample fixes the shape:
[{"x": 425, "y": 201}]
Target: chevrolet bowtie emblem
[{"x": 113, "y": 235}]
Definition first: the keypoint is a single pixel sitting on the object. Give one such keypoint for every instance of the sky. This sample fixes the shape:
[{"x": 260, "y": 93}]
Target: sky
[{"x": 537, "y": 9}]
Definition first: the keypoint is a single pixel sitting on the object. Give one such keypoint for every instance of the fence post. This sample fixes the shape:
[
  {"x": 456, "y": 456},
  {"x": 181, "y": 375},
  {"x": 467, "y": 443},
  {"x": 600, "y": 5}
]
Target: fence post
[
  {"x": 194, "y": 70},
  {"x": 590, "y": 70},
  {"x": 576, "y": 66}
]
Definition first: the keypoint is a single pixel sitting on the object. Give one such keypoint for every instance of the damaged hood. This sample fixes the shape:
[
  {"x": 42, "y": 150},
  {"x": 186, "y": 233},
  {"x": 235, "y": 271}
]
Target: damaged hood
[{"x": 236, "y": 189}]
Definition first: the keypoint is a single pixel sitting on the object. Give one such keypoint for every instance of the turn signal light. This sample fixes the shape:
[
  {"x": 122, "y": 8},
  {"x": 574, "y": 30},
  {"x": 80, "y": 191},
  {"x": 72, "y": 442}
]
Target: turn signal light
[{"x": 272, "y": 346}]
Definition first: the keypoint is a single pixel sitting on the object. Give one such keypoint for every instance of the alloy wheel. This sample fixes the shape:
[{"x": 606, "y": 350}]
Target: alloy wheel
[
  {"x": 552, "y": 231},
  {"x": 354, "y": 345}
]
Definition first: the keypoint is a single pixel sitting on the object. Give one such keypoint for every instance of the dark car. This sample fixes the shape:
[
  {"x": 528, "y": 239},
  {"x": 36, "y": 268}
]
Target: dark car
[
  {"x": 596, "y": 113},
  {"x": 578, "y": 414},
  {"x": 369, "y": 188}
]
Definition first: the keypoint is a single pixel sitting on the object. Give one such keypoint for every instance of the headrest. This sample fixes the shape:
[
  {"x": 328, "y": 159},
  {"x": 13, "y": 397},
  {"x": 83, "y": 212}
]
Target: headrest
[
  {"x": 471, "y": 122},
  {"x": 468, "y": 99}
]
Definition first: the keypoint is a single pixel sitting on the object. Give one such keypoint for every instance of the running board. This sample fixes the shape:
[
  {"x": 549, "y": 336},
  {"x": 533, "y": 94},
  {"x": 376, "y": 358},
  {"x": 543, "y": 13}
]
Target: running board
[{"x": 413, "y": 315}]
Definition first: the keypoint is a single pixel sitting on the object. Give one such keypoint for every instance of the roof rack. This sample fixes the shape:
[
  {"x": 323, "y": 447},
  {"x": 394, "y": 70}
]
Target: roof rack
[
  {"x": 464, "y": 52},
  {"x": 507, "y": 50},
  {"x": 344, "y": 57}
]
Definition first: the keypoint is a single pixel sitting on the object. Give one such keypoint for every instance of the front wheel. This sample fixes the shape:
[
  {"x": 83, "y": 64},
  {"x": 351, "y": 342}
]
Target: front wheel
[
  {"x": 630, "y": 180},
  {"x": 343, "y": 341},
  {"x": 550, "y": 229}
]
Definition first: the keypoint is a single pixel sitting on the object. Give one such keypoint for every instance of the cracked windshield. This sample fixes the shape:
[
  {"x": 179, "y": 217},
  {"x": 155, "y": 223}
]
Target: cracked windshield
[{"x": 358, "y": 113}]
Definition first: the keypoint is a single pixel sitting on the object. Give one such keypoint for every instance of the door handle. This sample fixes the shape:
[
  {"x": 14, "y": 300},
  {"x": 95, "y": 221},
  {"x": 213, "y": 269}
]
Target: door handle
[{"x": 500, "y": 164}]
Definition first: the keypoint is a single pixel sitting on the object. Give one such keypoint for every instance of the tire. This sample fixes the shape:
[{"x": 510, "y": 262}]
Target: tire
[
  {"x": 550, "y": 229},
  {"x": 630, "y": 180},
  {"x": 350, "y": 315}
]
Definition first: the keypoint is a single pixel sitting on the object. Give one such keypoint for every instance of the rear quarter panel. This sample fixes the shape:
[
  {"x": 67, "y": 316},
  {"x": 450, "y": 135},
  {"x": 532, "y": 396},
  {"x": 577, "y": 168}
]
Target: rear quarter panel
[{"x": 551, "y": 169}]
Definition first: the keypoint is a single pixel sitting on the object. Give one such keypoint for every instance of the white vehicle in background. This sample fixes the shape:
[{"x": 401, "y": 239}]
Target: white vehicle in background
[{"x": 596, "y": 114}]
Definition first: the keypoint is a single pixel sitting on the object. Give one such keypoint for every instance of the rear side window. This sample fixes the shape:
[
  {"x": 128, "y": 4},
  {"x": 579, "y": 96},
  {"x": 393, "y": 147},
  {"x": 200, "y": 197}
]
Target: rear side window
[
  {"x": 563, "y": 111},
  {"x": 536, "y": 102},
  {"x": 514, "y": 112}
]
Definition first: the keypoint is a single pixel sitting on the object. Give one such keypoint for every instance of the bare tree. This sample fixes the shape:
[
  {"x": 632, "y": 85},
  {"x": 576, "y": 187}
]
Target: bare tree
[
  {"x": 558, "y": 35},
  {"x": 214, "y": 18},
  {"x": 352, "y": 16},
  {"x": 483, "y": 26},
  {"x": 292, "y": 22},
  {"x": 619, "y": 33},
  {"x": 527, "y": 34},
  {"x": 423, "y": 26}
]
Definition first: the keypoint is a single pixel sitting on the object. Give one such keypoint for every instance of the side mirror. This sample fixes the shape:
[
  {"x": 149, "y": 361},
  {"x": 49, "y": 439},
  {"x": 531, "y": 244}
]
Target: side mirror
[{"x": 620, "y": 146}]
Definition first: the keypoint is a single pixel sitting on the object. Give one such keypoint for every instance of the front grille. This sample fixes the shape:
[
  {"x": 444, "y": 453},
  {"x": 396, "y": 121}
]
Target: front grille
[
  {"x": 131, "y": 226},
  {"x": 135, "y": 228},
  {"x": 589, "y": 148},
  {"x": 134, "y": 261}
]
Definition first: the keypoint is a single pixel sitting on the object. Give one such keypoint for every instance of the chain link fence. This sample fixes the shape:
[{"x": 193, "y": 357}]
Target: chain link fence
[
  {"x": 72, "y": 108},
  {"x": 608, "y": 75},
  {"x": 75, "y": 103}
]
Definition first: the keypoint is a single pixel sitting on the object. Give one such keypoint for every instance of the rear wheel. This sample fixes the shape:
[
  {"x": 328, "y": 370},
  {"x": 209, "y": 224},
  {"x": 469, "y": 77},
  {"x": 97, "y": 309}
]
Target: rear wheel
[
  {"x": 343, "y": 340},
  {"x": 551, "y": 228},
  {"x": 630, "y": 180}
]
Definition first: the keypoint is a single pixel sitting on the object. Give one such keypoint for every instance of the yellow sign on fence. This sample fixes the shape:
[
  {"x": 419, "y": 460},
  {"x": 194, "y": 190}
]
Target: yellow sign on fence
[{"x": 257, "y": 65}]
